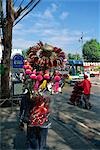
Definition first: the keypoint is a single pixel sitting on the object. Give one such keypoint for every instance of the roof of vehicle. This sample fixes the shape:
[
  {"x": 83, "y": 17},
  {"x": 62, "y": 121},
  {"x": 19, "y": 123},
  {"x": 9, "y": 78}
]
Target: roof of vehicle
[{"x": 75, "y": 62}]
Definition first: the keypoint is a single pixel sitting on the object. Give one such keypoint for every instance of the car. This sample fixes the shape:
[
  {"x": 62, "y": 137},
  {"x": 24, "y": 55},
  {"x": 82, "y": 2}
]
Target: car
[{"x": 92, "y": 75}]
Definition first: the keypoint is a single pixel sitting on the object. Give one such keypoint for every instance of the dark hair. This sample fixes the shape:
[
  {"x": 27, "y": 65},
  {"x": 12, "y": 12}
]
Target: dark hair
[{"x": 85, "y": 76}]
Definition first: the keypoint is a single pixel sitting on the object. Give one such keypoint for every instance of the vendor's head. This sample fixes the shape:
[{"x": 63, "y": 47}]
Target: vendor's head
[{"x": 85, "y": 76}]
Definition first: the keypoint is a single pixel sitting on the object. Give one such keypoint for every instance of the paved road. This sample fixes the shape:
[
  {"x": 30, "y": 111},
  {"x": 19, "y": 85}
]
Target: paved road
[{"x": 85, "y": 123}]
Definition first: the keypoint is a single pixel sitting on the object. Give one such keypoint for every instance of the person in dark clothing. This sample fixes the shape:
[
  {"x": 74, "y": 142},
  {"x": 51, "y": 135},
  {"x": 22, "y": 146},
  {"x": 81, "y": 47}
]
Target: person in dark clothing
[
  {"x": 36, "y": 135},
  {"x": 24, "y": 106},
  {"x": 86, "y": 84},
  {"x": 36, "y": 138}
]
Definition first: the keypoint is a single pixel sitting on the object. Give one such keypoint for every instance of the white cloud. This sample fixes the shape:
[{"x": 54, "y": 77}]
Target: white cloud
[
  {"x": 47, "y": 33},
  {"x": 22, "y": 44},
  {"x": 64, "y": 15},
  {"x": 45, "y": 27},
  {"x": 50, "y": 11},
  {"x": 19, "y": 26},
  {"x": 47, "y": 14},
  {"x": 54, "y": 7}
]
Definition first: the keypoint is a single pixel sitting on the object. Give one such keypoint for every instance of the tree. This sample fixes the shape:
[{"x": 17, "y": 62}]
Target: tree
[
  {"x": 7, "y": 23},
  {"x": 24, "y": 53},
  {"x": 74, "y": 56},
  {"x": 91, "y": 51}
]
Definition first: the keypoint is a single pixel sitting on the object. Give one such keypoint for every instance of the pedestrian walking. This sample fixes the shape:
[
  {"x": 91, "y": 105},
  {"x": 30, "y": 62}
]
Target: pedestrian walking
[
  {"x": 36, "y": 133},
  {"x": 37, "y": 106},
  {"x": 86, "y": 84},
  {"x": 36, "y": 138},
  {"x": 24, "y": 109}
]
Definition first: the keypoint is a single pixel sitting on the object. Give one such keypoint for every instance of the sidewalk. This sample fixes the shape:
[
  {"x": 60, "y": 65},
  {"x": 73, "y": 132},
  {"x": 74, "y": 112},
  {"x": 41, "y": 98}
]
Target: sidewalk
[{"x": 60, "y": 137}]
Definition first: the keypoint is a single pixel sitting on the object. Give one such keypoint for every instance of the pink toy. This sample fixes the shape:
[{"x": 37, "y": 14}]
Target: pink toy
[
  {"x": 46, "y": 75},
  {"x": 38, "y": 82},
  {"x": 56, "y": 87},
  {"x": 34, "y": 71},
  {"x": 39, "y": 77},
  {"x": 36, "y": 86},
  {"x": 40, "y": 73},
  {"x": 28, "y": 71},
  {"x": 33, "y": 76},
  {"x": 27, "y": 65},
  {"x": 57, "y": 78}
]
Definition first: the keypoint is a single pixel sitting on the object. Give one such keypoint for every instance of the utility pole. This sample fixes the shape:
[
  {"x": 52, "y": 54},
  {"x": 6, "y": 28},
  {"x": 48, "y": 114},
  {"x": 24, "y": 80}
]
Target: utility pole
[
  {"x": 6, "y": 53},
  {"x": 81, "y": 42},
  {"x": 82, "y": 36}
]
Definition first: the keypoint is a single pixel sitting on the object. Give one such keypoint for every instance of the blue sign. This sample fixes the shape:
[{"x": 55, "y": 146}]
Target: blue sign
[{"x": 18, "y": 61}]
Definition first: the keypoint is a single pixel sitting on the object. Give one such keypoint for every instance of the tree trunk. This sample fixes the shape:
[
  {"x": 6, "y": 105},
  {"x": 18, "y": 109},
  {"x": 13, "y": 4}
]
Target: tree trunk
[{"x": 5, "y": 91}]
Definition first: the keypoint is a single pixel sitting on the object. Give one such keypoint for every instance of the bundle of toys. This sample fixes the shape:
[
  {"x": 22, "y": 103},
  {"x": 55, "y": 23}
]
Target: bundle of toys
[
  {"x": 75, "y": 98},
  {"x": 39, "y": 77},
  {"x": 44, "y": 56},
  {"x": 39, "y": 114}
]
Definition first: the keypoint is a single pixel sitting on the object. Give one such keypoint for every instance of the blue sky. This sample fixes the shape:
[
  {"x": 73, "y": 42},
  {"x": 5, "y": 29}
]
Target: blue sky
[{"x": 59, "y": 23}]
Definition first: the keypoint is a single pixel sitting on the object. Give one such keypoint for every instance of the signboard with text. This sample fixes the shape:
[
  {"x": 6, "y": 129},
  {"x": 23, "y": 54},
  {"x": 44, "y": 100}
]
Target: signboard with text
[{"x": 18, "y": 61}]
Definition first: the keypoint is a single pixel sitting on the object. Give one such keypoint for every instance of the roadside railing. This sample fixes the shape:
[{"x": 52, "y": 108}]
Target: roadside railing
[{"x": 15, "y": 95}]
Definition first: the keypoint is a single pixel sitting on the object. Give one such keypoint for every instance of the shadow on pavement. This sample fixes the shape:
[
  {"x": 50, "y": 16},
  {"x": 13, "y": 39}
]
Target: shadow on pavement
[{"x": 20, "y": 140}]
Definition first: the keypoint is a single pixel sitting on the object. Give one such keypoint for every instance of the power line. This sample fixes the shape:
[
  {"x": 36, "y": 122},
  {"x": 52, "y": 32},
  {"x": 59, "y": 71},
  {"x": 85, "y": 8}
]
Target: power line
[
  {"x": 28, "y": 6},
  {"x": 22, "y": 11},
  {"x": 25, "y": 8},
  {"x": 21, "y": 3}
]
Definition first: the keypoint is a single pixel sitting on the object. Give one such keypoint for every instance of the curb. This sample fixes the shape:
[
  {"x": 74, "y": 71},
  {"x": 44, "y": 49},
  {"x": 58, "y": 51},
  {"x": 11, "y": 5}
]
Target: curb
[{"x": 66, "y": 118}]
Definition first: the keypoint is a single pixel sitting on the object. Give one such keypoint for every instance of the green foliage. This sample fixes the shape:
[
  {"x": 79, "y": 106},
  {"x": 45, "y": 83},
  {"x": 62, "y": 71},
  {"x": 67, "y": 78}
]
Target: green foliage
[
  {"x": 74, "y": 57},
  {"x": 24, "y": 53},
  {"x": 91, "y": 51},
  {"x": 97, "y": 68}
]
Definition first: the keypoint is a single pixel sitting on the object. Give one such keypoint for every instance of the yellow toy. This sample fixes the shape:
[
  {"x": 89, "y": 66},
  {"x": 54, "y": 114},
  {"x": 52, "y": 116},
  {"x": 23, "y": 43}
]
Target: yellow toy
[{"x": 43, "y": 85}]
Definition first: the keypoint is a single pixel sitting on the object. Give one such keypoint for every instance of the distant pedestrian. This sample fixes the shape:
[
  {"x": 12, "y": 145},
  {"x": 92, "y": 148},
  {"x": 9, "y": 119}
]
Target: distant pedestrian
[{"x": 86, "y": 84}]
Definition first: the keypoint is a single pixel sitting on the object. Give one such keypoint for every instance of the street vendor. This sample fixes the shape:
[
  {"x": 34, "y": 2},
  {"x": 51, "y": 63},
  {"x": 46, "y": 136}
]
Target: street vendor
[
  {"x": 35, "y": 109},
  {"x": 86, "y": 84}
]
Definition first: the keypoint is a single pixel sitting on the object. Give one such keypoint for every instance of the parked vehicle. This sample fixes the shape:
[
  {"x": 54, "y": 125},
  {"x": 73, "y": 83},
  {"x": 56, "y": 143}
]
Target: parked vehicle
[{"x": 76, "y": 71}]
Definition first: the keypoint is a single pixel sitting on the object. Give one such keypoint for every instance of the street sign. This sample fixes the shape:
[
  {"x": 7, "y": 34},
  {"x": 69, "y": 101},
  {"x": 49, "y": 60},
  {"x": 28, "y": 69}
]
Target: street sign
[{"x": 18, "y": 61}]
